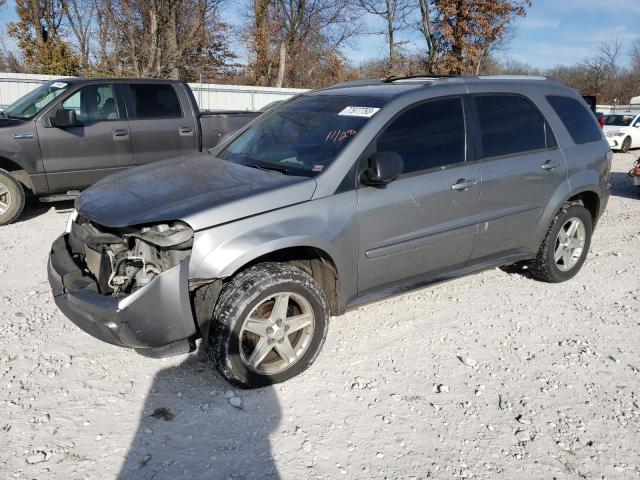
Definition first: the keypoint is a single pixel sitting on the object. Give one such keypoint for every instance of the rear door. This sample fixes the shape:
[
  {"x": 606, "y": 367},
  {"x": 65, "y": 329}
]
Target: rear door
[
  {"x": 522, "y": 168},
  {"x": 425, "y": 220},
  {"x": 162, "y": 121},
  {"x": 75, "y": 157}
]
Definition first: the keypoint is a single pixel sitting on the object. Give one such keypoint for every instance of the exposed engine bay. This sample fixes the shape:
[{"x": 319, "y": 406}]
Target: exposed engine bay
[{"x": 124, "y": 260}]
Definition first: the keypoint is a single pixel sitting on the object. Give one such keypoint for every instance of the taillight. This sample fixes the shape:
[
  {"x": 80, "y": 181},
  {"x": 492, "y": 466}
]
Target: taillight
[{"x": 601, "y": 121}]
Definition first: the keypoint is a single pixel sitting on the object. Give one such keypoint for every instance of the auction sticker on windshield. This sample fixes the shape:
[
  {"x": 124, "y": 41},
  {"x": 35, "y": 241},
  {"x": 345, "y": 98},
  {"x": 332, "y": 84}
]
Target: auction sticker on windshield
[
  {"x": 366, "y": 112},
  {"x": 58, "y": 85}
]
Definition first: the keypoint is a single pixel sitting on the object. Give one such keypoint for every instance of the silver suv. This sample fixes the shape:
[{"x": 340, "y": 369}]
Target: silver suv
[{"x": 335, "y": 198}]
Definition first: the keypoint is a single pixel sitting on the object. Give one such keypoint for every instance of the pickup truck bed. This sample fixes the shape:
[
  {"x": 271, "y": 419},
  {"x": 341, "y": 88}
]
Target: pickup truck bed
[{"x": 218, "y": 126}]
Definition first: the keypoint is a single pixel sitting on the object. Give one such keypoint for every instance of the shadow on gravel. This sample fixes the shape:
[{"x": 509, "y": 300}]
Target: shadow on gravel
[
  {"x": 622, "y": 186},
  {"x": 34, "y": 208},
  {"x": 516, "y": 269},
  {"x": 189, "y": 428}
]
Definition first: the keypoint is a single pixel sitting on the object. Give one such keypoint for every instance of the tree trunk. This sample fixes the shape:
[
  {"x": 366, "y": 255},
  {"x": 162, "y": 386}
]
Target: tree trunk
[
  {"x": 427, "y": 31},
  {"x": 391, "y": 5},
  {"x": 261, "y": 41},
  {"x": 282, "y": 65},
  {"x": 36, "y": 16},
  {"x": 171, "y": 42},
  {"x": 457, "y": 49},
  {"x": 392, "y": 45}
]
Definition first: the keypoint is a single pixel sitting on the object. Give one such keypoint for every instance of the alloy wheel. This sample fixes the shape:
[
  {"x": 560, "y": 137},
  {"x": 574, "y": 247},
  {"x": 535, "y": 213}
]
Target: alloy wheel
[
  {"x": 5, "y": 198},
  {"x": 276, "y": 333},
  {"x": 569, "y": 244}
]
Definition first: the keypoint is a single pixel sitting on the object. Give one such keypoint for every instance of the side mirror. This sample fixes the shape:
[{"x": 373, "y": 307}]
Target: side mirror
[
  {"x": 64, "y": 118},
  {"x": 384, "y": 167}
]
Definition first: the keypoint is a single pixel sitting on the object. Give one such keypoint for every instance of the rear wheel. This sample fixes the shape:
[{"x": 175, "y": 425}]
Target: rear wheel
[
  {"x": 11, "y": 198},
  {"x": 626, "y": 145},
  {"x": 269, "y": 325},
  {"x": 565, "y": 246}
]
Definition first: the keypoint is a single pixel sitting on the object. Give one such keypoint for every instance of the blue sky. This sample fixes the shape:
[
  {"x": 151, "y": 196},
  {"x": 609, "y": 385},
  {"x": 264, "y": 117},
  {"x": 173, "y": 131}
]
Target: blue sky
[{"x": 554, "y": 32}]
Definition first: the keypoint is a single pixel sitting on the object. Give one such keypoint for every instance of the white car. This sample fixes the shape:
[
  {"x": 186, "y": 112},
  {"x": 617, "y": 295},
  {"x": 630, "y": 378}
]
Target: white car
[{"x": 622, "y": 130}]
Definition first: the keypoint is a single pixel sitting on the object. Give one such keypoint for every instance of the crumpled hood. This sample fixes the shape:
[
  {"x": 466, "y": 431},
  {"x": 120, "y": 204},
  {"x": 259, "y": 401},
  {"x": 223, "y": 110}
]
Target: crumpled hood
[{"x": 199, "y": 189}]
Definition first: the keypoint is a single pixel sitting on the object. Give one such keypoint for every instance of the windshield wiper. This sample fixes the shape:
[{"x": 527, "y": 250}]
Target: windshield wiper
[{"x": 282, "y": 170}]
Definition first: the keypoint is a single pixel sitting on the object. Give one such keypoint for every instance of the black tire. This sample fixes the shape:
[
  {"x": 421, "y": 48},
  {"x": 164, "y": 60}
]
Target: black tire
[
  {"x": 544, "y": 267},
  {"x": 11, "y": 194},
  {"x": 626, "y": 145},
  {"x": 248, "y": 290}
]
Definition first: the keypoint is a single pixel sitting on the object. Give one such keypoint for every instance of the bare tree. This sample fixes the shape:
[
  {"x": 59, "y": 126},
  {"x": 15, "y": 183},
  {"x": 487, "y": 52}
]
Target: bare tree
[
  {"x": 80, "y": 18},
  {"x": 394, "y": 14},
  {"x": 161, "y": 38},
  {"x": 299, "y": 42},
  {"x": 427, "y": 29},
  {"x": 610, "y": 51}
]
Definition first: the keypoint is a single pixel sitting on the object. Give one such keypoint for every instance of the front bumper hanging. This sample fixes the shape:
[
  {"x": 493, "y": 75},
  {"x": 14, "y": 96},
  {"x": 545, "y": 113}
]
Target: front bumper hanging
[{"x": 156, "y": 320}]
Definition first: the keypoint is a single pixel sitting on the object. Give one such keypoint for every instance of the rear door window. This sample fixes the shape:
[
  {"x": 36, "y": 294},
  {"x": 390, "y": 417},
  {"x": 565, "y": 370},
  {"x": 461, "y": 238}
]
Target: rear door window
[
  {"x": 577, "y": 119},
  {"x": 154, "y": 101},
  {"x": 511, "y": 125},
  {"x": 427, "y": 136}
]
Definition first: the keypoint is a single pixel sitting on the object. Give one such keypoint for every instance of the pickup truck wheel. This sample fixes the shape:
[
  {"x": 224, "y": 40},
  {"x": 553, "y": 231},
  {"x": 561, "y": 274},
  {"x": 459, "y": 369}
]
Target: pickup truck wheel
[
  {"x": 269, "y": 325},
  {"x": 11, "y": 198},
  {"x": 565, "y": 246},
  {"x": 626, "y": 145}
]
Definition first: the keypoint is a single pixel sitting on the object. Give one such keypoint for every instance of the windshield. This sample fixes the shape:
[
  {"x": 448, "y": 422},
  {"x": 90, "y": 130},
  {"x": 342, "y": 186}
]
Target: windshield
[
  {"x": 618, "y": 120},
  {"x": 30, "y": 104},
  {"x": 304, "y": 135}
]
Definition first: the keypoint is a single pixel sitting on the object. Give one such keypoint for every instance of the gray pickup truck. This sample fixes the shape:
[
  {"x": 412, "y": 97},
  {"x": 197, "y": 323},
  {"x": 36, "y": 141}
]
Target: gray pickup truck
[{"x": 67, "y": 134}]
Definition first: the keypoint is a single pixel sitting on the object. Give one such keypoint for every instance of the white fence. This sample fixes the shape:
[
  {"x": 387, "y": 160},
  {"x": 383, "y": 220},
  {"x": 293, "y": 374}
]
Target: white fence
[
  {"x": 607, "y": 109},
  {"x": 209, "y": 96}
]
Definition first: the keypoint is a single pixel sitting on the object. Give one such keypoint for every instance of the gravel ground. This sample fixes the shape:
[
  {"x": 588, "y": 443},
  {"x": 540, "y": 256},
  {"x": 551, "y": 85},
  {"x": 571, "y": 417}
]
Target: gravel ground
[{"x": 490, "y": 376}]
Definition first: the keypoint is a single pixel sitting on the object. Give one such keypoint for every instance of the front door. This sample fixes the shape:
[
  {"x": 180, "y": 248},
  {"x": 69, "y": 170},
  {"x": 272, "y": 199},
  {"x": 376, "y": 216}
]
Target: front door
[
  {"x": 75, "y": 157},
  {"x": 426, "y": 220}
]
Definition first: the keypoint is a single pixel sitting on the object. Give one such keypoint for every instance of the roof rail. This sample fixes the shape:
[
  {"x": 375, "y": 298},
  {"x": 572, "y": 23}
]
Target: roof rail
[
  {"x": 355, "y": 83},
  {"x": 513, "y": 77},
  {"x": 394, "y": 78}
]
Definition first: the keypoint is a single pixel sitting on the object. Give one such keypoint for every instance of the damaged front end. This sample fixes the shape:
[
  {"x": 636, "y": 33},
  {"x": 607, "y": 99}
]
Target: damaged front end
[
  {"x": 125, "y": 260},
  {"x": 127, "y": 286}
]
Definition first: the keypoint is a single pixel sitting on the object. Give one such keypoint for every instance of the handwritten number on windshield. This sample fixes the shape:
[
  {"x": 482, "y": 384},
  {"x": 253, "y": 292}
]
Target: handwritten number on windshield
[{"x": 337, "y": 136}]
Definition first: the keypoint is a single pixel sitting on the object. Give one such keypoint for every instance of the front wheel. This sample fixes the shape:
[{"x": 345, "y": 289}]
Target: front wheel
[
  {"x": 626, "y": 145},
  {"x": 269, "y": 325},
  {"x": 11, "y": 198},
  {"x": 565, "y": 246}
]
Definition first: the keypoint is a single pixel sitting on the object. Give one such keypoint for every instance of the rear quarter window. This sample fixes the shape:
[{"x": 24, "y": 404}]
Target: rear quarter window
[{"x": 579, "y": 121}]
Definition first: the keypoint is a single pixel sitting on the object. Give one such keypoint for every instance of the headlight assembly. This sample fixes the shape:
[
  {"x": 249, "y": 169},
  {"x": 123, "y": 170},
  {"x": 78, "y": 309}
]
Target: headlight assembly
[{"x": 165, "y": 235}]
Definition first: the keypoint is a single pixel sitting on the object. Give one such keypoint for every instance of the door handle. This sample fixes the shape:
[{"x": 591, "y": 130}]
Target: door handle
[
  {"x": 463, "y": 184},
  {"x": 185, "y": 131},
  {"x": 550, "y": 165},
  {"x": 120, "y": 134}
]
